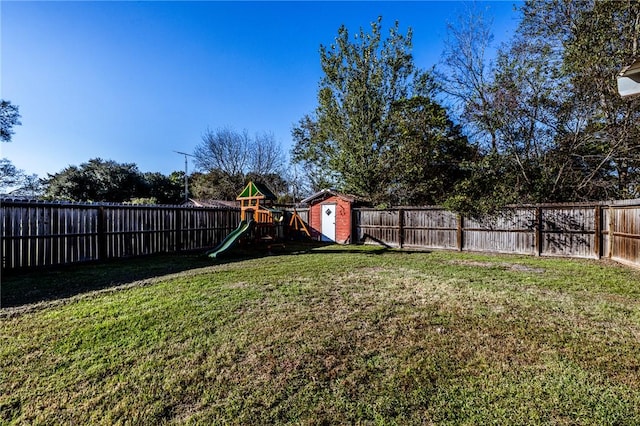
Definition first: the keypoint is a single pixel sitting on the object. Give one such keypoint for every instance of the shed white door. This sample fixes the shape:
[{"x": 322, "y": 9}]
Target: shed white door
[{"x": 328, "y": 222}]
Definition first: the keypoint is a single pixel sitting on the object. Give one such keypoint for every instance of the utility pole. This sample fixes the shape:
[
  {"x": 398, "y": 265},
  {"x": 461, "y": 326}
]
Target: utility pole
[{"x": 186, "y": 170}]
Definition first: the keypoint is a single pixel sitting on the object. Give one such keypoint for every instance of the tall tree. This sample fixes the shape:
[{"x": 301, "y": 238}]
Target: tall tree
[
  {"x": 215, "y": 185},
  {"x": 527, "y": 101},
  {"x": 595, "y": 147},
  {"x": 12, "y": 179},
  {"x": 230, "y": 158},
  {"x": 225, "y": 150},
  {"x": 370, "y": 101},
  {"x": 363, "y": 77},
  {"x": 265, "y": 155},
  {"x": 10, "y": 175},
  {"x": 426, "y": 153},
  {"x": 310, "y": 156},
  {"x": 466, "y": 74},
  {"x": 9, "y": 118}
]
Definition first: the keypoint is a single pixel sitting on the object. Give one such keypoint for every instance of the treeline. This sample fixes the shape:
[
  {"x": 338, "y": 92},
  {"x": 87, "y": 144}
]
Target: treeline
[
  {"x": 100, "y": 180},
  {"x": 226, "y": 160},
  {"x": 97, "y": 180},
  {"x": 108, "y": 181}
]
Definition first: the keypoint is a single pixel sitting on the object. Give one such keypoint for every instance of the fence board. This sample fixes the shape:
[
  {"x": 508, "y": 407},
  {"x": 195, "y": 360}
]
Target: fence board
[
  {"x": 585, "y": 230},
  {"x": 569, "y": 231},
  {"x": 379, "y": 226},
  {"x": 46, "y": 234},
  {"x": 511, "y": 231},
  {"x": 36, "y": 234},
  {"x": 430, "y": 228},
  {"x": 625, "y": 227}
]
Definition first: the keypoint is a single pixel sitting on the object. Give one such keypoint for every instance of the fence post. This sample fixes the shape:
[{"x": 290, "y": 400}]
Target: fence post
[
  {"x": 102, "y": 234},
  {"x": 460, "y": 232},
  {"x": 538, "y": 231},
  {"x": 354, "y": 225},
  {"x": 178, "y": 219},
  {"x": 611, "y": 231},
  {"x": 597, "y": 240},
  {"x": 400, "y": 227}
]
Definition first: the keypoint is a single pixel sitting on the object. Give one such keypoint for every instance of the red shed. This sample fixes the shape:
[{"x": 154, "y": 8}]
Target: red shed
[{"x": 330, "y": 215}]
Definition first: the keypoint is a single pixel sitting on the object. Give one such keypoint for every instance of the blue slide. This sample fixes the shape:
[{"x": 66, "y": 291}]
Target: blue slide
[{"x": 243, "y": 229}]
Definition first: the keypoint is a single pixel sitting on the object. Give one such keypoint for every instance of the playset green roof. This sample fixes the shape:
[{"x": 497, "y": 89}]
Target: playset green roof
[{"x": 255, "y": 190}]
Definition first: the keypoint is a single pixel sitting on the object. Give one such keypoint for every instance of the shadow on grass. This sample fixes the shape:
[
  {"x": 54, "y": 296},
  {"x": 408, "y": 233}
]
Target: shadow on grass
[
  {"x": 23, "y": 288},
  {"x": 29, "y": 287},
  {"x": 42, "y": 285}
]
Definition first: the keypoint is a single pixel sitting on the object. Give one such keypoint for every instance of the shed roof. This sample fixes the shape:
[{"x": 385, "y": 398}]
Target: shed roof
[{"x": 327, "y": 193}]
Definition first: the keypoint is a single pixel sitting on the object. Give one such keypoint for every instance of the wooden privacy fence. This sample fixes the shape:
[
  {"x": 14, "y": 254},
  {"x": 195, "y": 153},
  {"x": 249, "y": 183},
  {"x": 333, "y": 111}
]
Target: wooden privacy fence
[
  {"x": 595, "y": 230},
  {"x": 38, "y": 234}
]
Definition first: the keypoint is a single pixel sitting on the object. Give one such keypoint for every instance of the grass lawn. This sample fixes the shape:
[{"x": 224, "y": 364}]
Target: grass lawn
[{"x": 331, "y": 335}]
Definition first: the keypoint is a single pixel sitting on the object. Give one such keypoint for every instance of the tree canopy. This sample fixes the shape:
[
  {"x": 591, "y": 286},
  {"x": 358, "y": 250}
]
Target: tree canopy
[
  {"x": 16, "y": 182},
  {"x": 227, "y": 159},
  {"x": 12, "y": 179},
  {"x": 9, "y": 118},
  {"x": 377, "y": 129},
  {"x": 540, "y": 122}
]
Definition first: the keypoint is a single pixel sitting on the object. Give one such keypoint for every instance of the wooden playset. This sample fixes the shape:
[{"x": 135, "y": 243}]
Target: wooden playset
[{"x": 260, "y": 220}]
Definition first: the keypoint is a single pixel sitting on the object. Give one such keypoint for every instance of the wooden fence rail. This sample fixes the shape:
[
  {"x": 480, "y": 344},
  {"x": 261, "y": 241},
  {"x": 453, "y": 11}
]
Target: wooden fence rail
[
  {"x": 595, "y": 230},
  {"x": 38, "y": 234}
]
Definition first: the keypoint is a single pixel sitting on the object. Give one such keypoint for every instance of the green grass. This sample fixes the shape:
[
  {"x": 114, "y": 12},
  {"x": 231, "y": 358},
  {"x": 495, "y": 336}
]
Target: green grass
[{"x": 334, "y": 335}]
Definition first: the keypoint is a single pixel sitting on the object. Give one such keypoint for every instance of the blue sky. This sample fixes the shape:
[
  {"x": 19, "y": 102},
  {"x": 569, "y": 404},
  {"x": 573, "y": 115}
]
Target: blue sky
[{"x": 135, "y": 81}]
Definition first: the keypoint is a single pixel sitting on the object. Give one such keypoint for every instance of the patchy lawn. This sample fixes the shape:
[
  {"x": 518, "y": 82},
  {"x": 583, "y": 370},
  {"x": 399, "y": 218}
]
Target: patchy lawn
[{"x": 331, "y": 335}]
